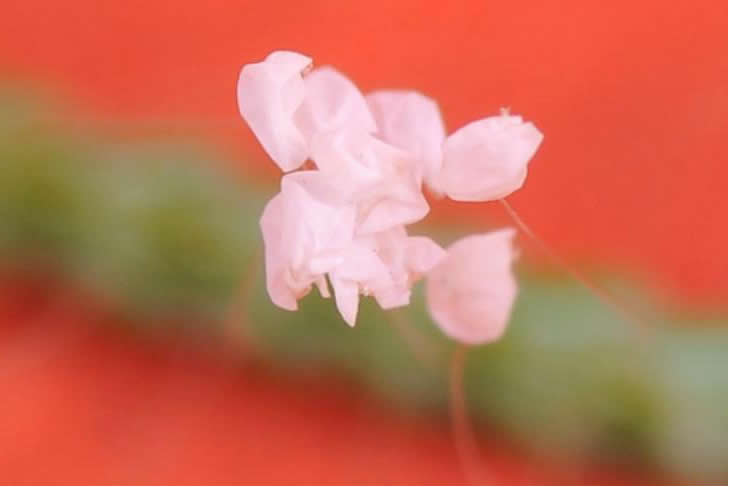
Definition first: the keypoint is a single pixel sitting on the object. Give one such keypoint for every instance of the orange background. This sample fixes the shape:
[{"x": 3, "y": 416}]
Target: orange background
[
  {"x": 631, "y": 96},
  {"x": 632, "y": 99},
  {"x": 87, "y": 404}
]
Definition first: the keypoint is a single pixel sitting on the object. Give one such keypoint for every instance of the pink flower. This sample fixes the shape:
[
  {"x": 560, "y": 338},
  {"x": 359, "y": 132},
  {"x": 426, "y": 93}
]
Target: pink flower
[
  {"x": 269, "y": 93},
  {"x": 359, "y": 271},
  {"x": 331, "y": 102},
  {"x": 471, "y": 291},
  {"x": 286, "y": 108},
  {"x": 412, "y": 122},
  {"x": 304, "y": 237},
  {"x": 487, "y": 160},
  {"x": 344, "y": 224},
  {"x": 407, "y": 259},
  {"x": 379, "y": 179},
  {"x": 309, "y": 234},
  {"x": 385, "y": 266}
]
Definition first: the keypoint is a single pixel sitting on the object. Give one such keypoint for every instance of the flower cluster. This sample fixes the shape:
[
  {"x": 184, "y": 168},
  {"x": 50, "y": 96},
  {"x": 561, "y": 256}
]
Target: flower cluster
[{"x": 355, "y": 169}]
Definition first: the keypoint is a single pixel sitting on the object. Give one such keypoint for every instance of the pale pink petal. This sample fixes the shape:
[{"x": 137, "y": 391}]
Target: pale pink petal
[
  {"x": 487, "y": 160},
  {"x": 325, "y": 223},
  {"x": 375, "y": 176},
  {"x": 304, "y": 238},
  {"x": 412, "y": 122},
  {"x": 331, "y": 102},
  {"x": 347, "y": 299},
  {"x": 318, "y": 186},
  {"x": 347, "y": 158},
  {"x": 471, "y": 291},
  {"x": 269, "y": 93},
  {"x": 407, "y": 259},
  {"x": 275, "y": 257},
  {"x": 393, "y": 297},
  {"x": 362, "y": 264},
  {"x": 390, "y": 246},
  {"x": 321, "y": 284},
  {"x": 361, "y": 270},
  {"x": 422, "y": 254},
  {"x": 387, "y": 212}
]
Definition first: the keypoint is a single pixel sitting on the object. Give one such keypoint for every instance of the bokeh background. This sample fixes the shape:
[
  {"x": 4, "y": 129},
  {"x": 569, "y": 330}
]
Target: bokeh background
[{"x": 137, "y": 342}]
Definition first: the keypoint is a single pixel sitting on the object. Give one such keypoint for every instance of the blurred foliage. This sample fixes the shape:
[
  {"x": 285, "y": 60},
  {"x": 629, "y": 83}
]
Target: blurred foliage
[
  {"x": 162, "y": 229},
  {"x": 146, "y": 225}
]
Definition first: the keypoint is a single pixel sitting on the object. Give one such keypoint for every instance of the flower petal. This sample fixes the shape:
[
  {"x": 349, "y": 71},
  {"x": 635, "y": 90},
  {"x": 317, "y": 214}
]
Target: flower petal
[
  {"x": 406, "y": 259},
  {"x": 327, "y": 222},
  {"x": 487, "y": 160},
  {"x": 331, "y": 102},
  {"x": 374, "y": 176},
  {"x": 347, "y": 299},
  {"x": 269, "y": 93},
  {"x": 385, "y": 212},
  {"x": 275, "y": 258},
  {"x": 410, "y": 121},
  {"x": 470, "y": 293},
  {"x": 305, "y": 236},
  {"x": 422, "y": 255}
]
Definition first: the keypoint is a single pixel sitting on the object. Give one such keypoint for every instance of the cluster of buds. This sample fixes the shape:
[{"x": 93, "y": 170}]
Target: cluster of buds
[{"x": 355, "y": 169}]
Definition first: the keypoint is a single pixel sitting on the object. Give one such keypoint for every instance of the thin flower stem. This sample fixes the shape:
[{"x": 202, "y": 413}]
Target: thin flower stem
[
  {"x": 600, "y": 293},
  {"x": 418, "y": 345},
  {"x": 237, "y": 326},
  {"x": 465, "y": 441}
]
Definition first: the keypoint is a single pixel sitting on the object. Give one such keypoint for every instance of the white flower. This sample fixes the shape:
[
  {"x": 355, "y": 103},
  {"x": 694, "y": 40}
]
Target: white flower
[
  {"x": 470, "y": 292},
  {"x": 487, "y": 160},
  {"x": 269, "y": 93}
]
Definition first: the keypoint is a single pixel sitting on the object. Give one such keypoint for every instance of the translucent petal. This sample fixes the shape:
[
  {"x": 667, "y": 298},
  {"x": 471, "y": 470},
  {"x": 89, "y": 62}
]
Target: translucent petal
[
  {"x": 412, "y": 122},
  {"x": 269, "y": 93},
  {"x": 347, "y": 299},
  {"x": 275, "y": 258},
  {"x": 331, "y": 102},
  {"x": 471, "y": 291},
  {"x": 487, "y": 159}
]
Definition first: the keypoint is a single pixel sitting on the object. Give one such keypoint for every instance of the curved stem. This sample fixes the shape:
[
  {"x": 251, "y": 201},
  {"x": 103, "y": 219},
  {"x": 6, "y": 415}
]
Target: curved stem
[
  {"x": 414, "y": 340},
  {"x": 600, "y": 293},
  {"x": 237, "y": 327},
  {"x": 465, "y": 441}
]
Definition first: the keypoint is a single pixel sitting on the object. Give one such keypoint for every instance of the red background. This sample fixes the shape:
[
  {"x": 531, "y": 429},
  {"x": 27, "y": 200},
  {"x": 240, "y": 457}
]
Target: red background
[{"x": 631, "y": 97}]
